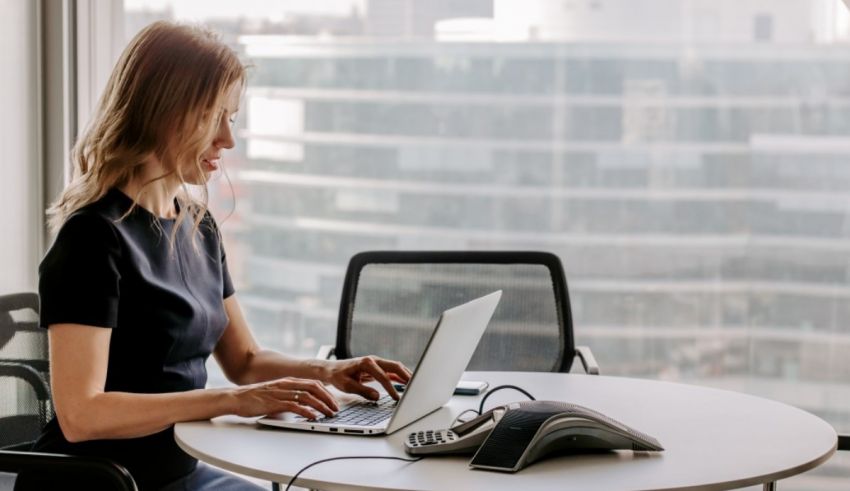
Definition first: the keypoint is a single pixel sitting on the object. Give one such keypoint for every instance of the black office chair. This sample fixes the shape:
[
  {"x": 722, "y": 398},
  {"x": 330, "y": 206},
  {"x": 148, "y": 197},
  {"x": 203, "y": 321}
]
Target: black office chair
[
  {"x": 391, "y": 301},
  {"x": 23, "y": 358},
  {"x": 25, "y": 408}
]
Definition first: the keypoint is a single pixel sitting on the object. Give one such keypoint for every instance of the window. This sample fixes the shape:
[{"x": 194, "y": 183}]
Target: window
[
  {"x": 690, "y": 167},
  {"x": 763, "y": 27}
]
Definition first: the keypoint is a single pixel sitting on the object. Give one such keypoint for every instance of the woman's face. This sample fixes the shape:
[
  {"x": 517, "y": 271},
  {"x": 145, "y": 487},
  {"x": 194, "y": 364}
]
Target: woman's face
[{"x": 223, "y": 138}]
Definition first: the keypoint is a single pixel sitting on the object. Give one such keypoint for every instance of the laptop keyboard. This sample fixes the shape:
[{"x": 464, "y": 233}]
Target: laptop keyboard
[{"x": 367, "y": 413}]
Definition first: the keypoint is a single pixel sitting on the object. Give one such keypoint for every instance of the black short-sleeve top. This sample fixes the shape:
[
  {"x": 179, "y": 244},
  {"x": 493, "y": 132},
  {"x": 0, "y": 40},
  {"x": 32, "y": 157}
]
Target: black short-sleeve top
[{"x": 163, "y": 302}]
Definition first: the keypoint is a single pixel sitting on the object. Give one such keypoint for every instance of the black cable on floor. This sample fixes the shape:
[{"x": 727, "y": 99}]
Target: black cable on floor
[{"x": 289, "y": 484}]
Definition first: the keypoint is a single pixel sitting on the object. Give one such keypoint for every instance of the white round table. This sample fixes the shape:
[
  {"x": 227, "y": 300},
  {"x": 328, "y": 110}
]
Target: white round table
[{"x": 713, "y": 439}]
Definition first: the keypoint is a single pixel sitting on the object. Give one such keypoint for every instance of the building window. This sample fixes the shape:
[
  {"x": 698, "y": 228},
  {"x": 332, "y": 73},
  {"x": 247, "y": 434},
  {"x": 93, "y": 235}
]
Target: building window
[
  {"x": 694, "y": 187},
  {"x": 763, "y": 27}
]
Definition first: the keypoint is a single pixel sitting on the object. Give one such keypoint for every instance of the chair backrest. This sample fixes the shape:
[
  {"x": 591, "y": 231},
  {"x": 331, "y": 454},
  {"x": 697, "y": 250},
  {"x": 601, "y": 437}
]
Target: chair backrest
[
  {"x": 24, "y": 370},
  {"x": 391, "y": 301}
]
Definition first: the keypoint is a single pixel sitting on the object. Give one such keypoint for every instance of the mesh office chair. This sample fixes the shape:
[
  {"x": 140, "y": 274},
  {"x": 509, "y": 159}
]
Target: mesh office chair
[
  {"x": 23, "y": 358},
  {"x": 391, "y": 302},
  {"x": 25, "y": 407}
]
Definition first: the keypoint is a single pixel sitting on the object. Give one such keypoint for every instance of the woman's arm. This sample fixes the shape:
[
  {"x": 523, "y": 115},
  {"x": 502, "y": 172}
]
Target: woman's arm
[
  {"x": 244, "y": 361},
  {"x": 78, "y": 362}
]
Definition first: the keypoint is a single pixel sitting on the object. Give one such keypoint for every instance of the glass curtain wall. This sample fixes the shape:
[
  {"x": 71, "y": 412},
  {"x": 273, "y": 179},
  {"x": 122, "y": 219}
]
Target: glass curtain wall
[{"x": 688, "y": 161}]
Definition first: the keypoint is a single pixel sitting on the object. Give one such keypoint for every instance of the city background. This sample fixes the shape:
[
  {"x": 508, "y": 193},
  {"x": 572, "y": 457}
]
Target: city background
[{"x": 688, "y": 161}]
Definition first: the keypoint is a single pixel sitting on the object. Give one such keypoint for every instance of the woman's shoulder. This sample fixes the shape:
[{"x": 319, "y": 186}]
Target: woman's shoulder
[
  {"x": 88, "y": 224},
  {"x": 210, "y": 231},
  {"x": 113, "y": 205},
  {"x": 86, "y": 237},
  {"x": 207, "y": 225},
  {"x": 107, "y": 210},
  {"x": 100, "y": 215},
  {"x": 209, "y": 220}
]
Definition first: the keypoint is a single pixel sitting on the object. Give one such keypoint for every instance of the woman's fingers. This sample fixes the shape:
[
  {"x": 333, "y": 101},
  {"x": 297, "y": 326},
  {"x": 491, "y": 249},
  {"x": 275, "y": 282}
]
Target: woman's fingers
[
  {"x": 300, "y": 396},
  {"x": 352, "y": 376},
  {"x": 395, "y": 368},
  {"x": 355, "y": 387},
  {"x": 294, "y": 407},
  {"x": 315, "y": 388},
  {"x": 304, "y": 398},
  {"x": 370, "y": 365}
]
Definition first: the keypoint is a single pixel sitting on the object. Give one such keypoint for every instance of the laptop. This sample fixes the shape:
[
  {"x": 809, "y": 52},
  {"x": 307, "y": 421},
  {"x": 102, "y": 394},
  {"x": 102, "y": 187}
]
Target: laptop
[{"x": 445, "y": 358}]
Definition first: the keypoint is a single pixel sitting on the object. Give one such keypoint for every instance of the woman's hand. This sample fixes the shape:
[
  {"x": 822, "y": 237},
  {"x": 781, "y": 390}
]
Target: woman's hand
[
  {"x": 349, "y": 375},
  {"x": 295, "y": 395}
]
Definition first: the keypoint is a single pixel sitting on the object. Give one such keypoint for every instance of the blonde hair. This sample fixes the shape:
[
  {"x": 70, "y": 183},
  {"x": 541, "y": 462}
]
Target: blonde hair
[{"x": 163, "y": 100}]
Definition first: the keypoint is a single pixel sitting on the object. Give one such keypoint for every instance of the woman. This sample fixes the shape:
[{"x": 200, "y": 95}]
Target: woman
[{"x": 135, "y": 290}]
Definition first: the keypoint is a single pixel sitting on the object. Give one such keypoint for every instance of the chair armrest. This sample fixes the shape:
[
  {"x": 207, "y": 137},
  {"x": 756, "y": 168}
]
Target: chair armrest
[
  {"x": 326, "y": 351},
  {"x": 843, "y": 442},
  {"x": 40, "y": 366},
  {"x": 588, "y": 361},
  {"x": 35, "y": 466},
  {"x": 29, "y": 375},
  {"x": 19, "y": 447}
]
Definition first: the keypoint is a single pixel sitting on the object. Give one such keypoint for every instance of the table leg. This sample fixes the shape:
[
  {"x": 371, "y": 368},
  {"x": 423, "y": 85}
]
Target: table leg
[{"x": 770, "y": 486}]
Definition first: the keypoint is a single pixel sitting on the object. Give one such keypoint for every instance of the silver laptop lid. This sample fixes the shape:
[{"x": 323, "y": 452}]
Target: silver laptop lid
[{"x": 446, "y": 356}]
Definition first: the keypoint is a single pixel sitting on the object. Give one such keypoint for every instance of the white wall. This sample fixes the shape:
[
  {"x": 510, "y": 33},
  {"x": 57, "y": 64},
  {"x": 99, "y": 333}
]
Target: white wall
[{"x": 20, "y": 223}]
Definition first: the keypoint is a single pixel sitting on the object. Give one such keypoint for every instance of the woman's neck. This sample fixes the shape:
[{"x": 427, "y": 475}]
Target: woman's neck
[{"x": 156, "y": 197}]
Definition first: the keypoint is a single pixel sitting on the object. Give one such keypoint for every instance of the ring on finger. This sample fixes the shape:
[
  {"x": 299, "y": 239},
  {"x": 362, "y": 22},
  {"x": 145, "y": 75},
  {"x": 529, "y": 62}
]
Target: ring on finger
[{"x": 297, "y": 395}]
